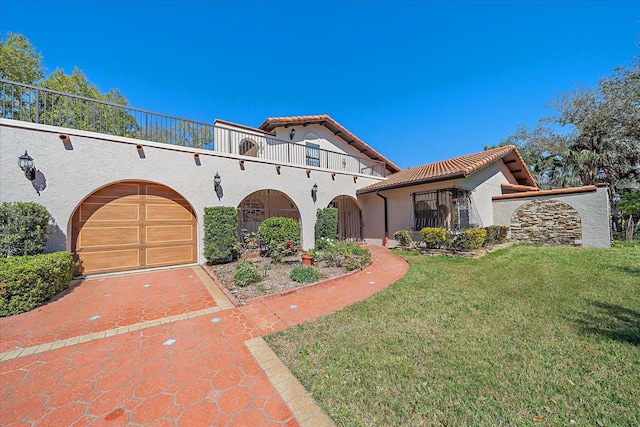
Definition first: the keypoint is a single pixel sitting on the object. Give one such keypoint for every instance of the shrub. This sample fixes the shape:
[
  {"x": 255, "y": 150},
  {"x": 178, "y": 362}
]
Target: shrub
[
  {"x": 305, "y": 274},
  {"x": 220, "y": 233},
  {"x": 434, "y": 238},
  {"x": 24, "y": 227},
  {"x": 469, "y": 240},
  {"x": 246, "y": 273},
  {"x": 326, "y": 226},
  {"x": 281, "y": 250},
  {"x": 404, "y": 238},
  {"x": 26, "y": 282},
  {"x": 279, "y": 235},
  {"x": 347, "y": 255},
  {"x": 496, "y": 234}
]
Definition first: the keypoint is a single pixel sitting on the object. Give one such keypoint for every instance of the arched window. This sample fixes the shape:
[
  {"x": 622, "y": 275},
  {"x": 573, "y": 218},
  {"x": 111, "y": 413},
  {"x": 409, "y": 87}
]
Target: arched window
[{"x": 248, "y": 147}]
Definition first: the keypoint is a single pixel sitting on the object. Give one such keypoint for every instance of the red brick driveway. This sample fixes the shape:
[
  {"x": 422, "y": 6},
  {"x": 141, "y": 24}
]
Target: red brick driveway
[{"x": 164, "y": 348}]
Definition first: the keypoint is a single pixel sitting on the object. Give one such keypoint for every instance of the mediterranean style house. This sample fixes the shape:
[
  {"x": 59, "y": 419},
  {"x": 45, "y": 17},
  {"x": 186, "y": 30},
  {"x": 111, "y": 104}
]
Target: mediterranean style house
[{"x": 127, "y": 188}]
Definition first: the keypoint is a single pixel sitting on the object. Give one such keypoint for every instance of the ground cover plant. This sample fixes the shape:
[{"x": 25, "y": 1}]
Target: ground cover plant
[{"x": 523, "y": 336}]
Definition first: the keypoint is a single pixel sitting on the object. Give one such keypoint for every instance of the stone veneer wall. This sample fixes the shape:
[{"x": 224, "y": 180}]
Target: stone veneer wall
[{"x": 546, "y": 222}]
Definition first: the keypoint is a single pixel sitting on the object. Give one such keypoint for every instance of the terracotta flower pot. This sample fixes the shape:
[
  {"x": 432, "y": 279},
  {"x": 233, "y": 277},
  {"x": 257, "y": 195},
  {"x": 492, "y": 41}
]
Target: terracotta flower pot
[{"x": 307, "y": 259}]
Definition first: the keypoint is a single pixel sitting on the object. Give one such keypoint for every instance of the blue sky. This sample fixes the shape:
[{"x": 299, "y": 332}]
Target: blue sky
[{"x": 420, "y": 81}]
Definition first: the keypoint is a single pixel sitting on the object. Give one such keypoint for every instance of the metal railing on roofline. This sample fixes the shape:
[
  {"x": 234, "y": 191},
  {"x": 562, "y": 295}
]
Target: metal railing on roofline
[{"x": 49, "y": 107}]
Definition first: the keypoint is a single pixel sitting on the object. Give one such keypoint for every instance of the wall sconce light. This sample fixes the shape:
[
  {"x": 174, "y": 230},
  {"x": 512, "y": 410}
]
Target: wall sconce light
[
  {"x": 64, "y": 138},
  {"x": 217, "y": 187},
  {"x": 28, "y": 167},
  {"x": 314, "y": 192},
  {"x": 292, "y": 134}
]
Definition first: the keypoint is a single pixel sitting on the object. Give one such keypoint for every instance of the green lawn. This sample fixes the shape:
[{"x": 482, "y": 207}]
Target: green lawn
[{"x": 523, "y": 336}]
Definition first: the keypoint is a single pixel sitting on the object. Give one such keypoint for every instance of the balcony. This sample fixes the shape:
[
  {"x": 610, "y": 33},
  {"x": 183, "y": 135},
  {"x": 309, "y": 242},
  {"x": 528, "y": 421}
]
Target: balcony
[{"x": 39, "y": 105}]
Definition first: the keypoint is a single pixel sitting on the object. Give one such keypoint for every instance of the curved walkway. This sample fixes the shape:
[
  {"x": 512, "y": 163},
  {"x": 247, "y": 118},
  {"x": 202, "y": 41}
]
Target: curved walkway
[{"x": 166, "y": 348}]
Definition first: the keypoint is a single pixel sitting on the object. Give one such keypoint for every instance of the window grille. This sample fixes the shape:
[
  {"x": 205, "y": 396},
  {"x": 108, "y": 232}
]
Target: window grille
[{"x": 448, "y": 209}]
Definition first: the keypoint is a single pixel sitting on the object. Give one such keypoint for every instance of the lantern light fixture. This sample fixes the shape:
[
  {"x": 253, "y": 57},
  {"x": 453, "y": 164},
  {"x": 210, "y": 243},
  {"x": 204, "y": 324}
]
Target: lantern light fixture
[
  {"x": 292, "y": 133},
  {"x": 314, "y": 192},
  {"x": 216, "y": 182},
  {"x": 25, "y": 162}
]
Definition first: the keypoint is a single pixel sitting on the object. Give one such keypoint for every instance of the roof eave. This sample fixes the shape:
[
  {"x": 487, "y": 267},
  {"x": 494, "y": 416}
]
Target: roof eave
[{"x": 364, "y": 190}]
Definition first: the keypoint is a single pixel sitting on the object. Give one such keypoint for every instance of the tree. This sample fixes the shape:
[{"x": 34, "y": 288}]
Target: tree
[
  {"x": 604, "y": 138},
  {"x": 593, "y": 138},
  {"x": 543, "y": 151},
  {"x": 19, "y": 61},
  {"x": 630, "y": 205},
  {"x": 83, "y": 114}
]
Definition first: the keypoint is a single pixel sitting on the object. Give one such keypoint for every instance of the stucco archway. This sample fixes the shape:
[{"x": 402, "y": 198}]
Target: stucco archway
[
  {"x": 263, "y": 204},
  {"x": 133, "y": 225},
  {"x": 349, "y": 218},
  {"x": 546, "y": 222}
]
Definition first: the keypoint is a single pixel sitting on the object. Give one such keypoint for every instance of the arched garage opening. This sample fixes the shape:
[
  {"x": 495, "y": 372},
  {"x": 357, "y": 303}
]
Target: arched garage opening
[
  {"x": 263, "y": 204},
  {"x": 133, "y": 225},
  {"x": 349, "y": 218}
]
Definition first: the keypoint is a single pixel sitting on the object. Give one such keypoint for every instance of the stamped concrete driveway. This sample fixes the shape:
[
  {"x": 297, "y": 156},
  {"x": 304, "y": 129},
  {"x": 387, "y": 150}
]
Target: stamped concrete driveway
[{"x": 166, "y": 348}]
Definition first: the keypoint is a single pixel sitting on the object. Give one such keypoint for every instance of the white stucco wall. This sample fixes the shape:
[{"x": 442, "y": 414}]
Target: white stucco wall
[
  {"x": 97, "y": 160},
  {"x": 483, "y": 185},
  {"x": 593, "y": 208}
]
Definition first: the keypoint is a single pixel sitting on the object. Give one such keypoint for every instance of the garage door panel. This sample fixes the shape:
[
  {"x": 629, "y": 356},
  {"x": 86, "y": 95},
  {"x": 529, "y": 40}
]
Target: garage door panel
[
  {"x": 161, "y": 256},
  {"x": 91, "y": 237},
  {"x": 160, "y": 192},
  {"x": 119, "y": 191},
  {"x": 168, "y": 212},
  {"x": 111, "y": 260},
  {"x": 134, "y": 225},
  {"x": 114, "y": 211},
  {"x": 171, "y": 234}
]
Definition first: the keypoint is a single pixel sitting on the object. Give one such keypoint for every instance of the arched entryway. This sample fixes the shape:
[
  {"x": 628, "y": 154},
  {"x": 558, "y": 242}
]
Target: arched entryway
[
  {"x": 133, "y": 225},
  {"x": 263, "y": 204},
  {"x": 349, "y": 218}
]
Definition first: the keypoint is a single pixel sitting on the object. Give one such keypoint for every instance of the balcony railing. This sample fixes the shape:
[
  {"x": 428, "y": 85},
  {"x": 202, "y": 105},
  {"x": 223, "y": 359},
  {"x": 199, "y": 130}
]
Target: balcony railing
[{"x": 44, "y": 106}]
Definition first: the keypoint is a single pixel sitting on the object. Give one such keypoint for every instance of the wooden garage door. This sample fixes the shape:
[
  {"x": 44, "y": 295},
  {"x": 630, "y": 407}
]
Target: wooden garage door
[{"x": 133, "y": 225}]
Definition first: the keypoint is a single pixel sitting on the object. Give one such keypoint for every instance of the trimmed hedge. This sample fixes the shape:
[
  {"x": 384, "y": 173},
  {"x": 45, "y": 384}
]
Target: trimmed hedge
[
  {"x": 496, "y": 234},
  {"x": 468, "y": 240},
  {"x": 220, "y": 233},
  {"x": 434, "y": 238},
  {"x": 326, "y": 226},
  {"x": 26, "y": 282},
  {"x": 24, "y": 227},
  {"x": 279, "y": 234},
  {"x": 404, "y": 238}
]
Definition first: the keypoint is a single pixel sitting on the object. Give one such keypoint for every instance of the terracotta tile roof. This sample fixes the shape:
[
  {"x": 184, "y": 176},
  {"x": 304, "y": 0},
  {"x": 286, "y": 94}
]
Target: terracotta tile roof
[
  {"x": 458, "y": 167},
  {"x": 324, "y": 120},
  {"x": 556, "y": 191}
]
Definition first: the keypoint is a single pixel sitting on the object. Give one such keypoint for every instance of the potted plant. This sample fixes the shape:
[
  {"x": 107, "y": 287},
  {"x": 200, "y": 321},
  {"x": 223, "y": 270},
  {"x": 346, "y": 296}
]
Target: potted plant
[{"x": 307, "y": 257}]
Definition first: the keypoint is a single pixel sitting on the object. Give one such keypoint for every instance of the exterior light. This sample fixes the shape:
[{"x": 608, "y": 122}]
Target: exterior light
[
  {"x": 601, "y": 175},
  {"x": 314, "y": 192},
  {"x": 292, "y": 134},
  {"x": 217, "y": 187},
  {"x": 26, "y": 164}
]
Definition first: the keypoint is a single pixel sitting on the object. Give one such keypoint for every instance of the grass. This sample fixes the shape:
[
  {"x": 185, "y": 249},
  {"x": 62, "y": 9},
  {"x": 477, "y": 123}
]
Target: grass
[{"x": 523, "y": 336}]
